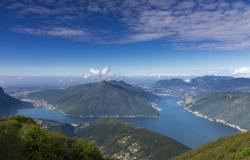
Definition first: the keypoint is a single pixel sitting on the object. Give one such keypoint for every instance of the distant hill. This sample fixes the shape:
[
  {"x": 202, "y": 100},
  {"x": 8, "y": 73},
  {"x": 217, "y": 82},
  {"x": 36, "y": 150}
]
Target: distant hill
[
  {"x": 233, "y": 107},
  {"x": 174, "y": 83},
  {"x": 211, "y": 83},
  {"x": 236, "y": 147},
  {"x": 112, "y": 98},
  {"x": 8, "y": 104},
  {"x": 22, "y": 139},
  {"x": 119, "y": 139}
]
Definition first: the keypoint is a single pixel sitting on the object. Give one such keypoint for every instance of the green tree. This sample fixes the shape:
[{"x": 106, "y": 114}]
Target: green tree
[
  {"x": 35, "y": 144},
  {"x": 9, "y": 140},
  {"x": 85, "y": 150},
  {"x": 22, "y": 139}
]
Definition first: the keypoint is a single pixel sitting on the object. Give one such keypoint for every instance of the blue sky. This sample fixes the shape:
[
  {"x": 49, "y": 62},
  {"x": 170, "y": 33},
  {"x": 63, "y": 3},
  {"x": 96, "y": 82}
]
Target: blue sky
[{"x": 146, "y": 37}]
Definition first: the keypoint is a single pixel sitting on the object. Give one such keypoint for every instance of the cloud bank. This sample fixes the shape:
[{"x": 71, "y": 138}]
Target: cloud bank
[{"x": 186, "y": 24}]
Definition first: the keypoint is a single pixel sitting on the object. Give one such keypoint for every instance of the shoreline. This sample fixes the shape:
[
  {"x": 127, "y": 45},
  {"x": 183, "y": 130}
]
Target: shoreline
[
  {"x": 45, "y": 105},
  {"x": 155, "y": 106},
  {"x": 36, "y": 103},
  {"x": 198, "y": 114},
  {"x": 105, "y": 116}
]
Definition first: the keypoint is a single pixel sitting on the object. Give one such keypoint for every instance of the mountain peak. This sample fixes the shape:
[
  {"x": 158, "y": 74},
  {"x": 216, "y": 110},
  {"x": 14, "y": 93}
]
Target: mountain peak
[{"x": 115, "y": 83}]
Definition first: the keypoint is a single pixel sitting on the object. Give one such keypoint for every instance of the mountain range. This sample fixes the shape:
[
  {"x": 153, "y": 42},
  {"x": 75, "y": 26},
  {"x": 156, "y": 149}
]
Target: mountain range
[
  {"x": 104, "y": 98},
  {"x": 208, "y": 83}
]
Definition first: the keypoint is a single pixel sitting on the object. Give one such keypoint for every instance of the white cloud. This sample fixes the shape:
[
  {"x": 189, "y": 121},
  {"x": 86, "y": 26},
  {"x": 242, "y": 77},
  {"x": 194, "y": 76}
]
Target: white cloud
[
  {"x": 103, "y": 72},
  {"x": 95, "y": 72},
  {"x": 214, "y": 25},
  {"x": 86, "y": 75},
  {"x": 243, "y": 71}
]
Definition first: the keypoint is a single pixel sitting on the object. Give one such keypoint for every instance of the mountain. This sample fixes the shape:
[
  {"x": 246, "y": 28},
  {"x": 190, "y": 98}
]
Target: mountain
[
  {"x": 174, "y": 83},
  {"x": 210, "y": 83},
  {"x": 119, "y": 139},
  {"x": 236, "y": 147},
  {"x": 22, "y": 139},
  {"x": 220, "y": 83},
  {"x": 8, "y": 104},
  {"x": 232, "y": 107},
  {"x": 112, "y": 98}
]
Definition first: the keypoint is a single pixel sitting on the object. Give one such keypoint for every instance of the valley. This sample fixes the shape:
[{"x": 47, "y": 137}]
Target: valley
[{"x": 182, "y": 114}]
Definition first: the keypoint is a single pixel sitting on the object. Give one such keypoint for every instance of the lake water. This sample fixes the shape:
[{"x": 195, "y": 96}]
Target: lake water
[{"x": 174, "y": 122}]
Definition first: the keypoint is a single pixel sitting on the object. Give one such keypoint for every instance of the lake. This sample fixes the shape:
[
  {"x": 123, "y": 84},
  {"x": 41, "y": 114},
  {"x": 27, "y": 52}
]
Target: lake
[{"x": 174, "y": 122}]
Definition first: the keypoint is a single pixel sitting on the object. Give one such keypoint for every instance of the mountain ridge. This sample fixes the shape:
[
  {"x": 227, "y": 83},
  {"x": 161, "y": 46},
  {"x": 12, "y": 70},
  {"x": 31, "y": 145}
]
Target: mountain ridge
[
  {"x": 209, "y": 83},
  {"x": 232, "y": 107},
  {"x": 9, "y": 105},
  {"x": 104, "y": 98},
  {"x": 124, "y": 141}
]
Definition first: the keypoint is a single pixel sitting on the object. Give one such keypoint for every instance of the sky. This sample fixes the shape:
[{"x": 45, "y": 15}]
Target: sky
[{"x": 128, "y": 37}]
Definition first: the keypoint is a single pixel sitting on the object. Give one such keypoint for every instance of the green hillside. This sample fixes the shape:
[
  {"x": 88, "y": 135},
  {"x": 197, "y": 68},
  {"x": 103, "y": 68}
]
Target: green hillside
[
  {"x": 61, "y": 127},
  {"x": 120, "y": 139},
  {"x": 236, "y": 147},
  {"x": 113, "y": 98},
  {"x": 22, "y": 139},
  {"x": 233, "y": 107}
]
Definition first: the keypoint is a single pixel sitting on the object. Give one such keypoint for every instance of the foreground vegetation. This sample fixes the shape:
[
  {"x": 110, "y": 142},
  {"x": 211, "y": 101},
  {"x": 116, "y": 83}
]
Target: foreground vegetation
[
  {"x": 22, "y": 139},
  {"x": 236, "y": 147}
]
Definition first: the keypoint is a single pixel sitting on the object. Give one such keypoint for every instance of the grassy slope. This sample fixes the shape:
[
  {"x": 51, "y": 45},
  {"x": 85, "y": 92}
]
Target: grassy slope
[{"x": 236, "y": 147}]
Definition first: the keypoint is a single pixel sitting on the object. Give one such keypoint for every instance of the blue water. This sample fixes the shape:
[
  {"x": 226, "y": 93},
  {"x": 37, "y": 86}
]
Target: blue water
[{"x": 174, "y": 122}]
